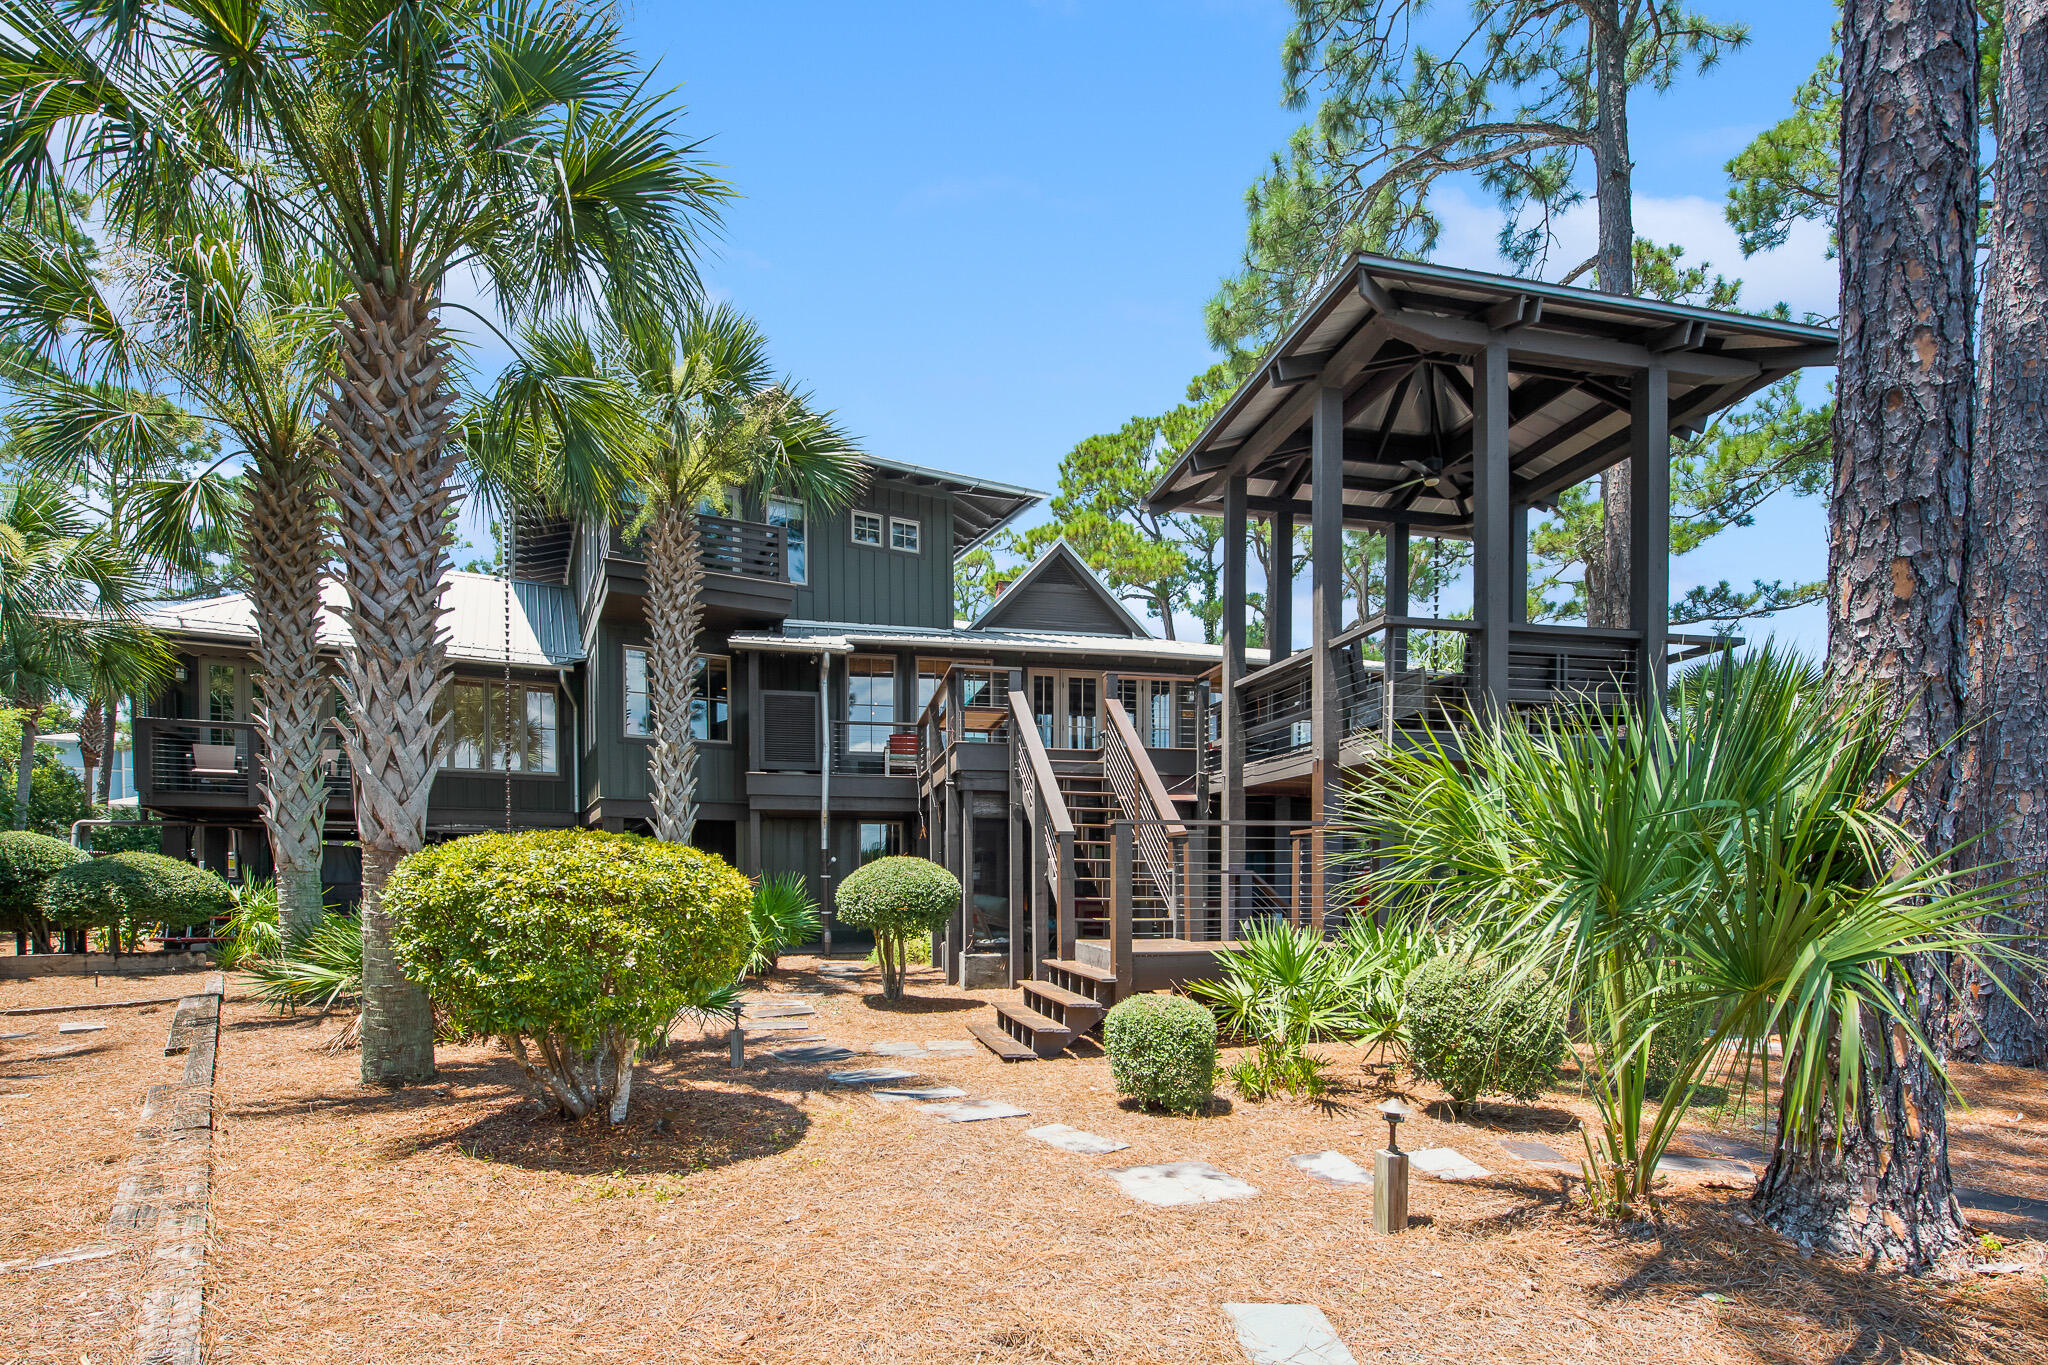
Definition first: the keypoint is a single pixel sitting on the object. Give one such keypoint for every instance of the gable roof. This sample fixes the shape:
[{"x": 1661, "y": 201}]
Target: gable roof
[{"x": 1060, "y": 592}]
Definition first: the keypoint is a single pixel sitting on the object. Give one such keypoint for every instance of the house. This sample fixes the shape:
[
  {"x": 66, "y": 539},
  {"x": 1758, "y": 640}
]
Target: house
[
  {"x": 120, "y": 782},
  {"x": 842, "y": 712}
]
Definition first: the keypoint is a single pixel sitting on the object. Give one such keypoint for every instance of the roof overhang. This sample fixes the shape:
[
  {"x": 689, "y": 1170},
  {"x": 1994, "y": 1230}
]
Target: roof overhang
[
  {"x": 981, "y": 507},
  {"x": 1399, "y": 338}
]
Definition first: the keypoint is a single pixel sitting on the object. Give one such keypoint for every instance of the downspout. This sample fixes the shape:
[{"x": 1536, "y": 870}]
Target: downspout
[{"x": 825, "y": 793}]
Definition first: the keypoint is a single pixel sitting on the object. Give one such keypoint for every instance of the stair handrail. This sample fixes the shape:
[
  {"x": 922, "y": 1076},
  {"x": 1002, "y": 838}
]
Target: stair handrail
[
  {"x": 1045, "y": 808},
  {"x": 1143, "y": 797}
]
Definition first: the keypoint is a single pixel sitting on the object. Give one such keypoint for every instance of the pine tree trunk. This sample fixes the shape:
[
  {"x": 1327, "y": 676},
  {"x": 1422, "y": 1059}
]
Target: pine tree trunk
[
  {"x": 394, "y": 484},
  {"x": 2001, "y": 794},
  {"x": 1614, "y": 178},
  {"x": 675, "y": 572},
  {"x": 1904, "y": 397},
  {"x": 288, "y": 546}
]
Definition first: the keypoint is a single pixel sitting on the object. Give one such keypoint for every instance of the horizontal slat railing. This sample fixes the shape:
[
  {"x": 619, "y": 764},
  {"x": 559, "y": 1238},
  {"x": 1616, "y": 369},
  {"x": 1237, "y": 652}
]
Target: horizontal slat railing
[{"x": 750, "y": 549}]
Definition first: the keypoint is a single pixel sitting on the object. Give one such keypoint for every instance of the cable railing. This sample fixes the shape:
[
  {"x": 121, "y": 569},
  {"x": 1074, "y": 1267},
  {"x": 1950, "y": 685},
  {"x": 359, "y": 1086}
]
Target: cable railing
[{"x": 876, "y": 748}]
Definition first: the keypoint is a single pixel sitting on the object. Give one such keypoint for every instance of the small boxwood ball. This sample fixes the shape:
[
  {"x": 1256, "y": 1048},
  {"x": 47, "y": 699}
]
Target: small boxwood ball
[
  {"x": 899, "y": 897},
  {"x": 1162, "y": 1051},
  {"x": 1472, "y": 1038}
]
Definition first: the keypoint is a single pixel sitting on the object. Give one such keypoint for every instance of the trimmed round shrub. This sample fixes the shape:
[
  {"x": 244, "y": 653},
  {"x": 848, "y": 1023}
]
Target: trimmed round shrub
[
  {"x": 1472, "y": 1037},
  {"x": 124, "y": 893},
  {"x": 27, "y": 860},
  {"x": 898, "y": 898},
  {"x": 1162, "y": 1051},
  {"x": 584, "y": 944}
]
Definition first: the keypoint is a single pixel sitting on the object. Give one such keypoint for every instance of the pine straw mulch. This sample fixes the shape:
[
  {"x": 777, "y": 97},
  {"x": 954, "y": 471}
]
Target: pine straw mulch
[
  {"x": 67, "y": 1128},
  {"x": 785, "y": 1220}
]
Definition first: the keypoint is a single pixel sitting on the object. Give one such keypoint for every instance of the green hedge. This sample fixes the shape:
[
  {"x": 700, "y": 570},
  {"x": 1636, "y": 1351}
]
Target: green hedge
[
  {"x": 1162, "y": 1051},
  {"x": 1473, "y": 1038},
  {"x": 131, "y": 891},
  {"x": 27, "y": 860}
]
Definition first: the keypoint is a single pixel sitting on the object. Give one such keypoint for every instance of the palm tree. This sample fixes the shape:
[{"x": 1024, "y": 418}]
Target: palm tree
[
  {"x": 715, "y": 419},
  {"x": 1718, "y": 877},
  {"x": 401, "y": 144}
]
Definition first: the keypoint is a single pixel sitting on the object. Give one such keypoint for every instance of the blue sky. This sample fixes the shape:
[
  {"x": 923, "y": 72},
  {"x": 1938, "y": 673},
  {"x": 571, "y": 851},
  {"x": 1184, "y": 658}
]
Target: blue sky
[{"x": 985, "y": 231}]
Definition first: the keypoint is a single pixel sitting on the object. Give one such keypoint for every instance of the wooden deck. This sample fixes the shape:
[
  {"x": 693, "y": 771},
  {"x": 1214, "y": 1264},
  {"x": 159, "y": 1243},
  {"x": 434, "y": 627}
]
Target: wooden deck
[{"x": 1162, "y": 963}]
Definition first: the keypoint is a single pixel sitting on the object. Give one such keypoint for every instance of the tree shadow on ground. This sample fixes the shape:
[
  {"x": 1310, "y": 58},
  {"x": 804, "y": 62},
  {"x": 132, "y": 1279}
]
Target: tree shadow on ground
[
  {"x": 1506, "y": 1118},
  {"x": 1795, "y": 1310},
  {"x": 921, "y": 1004}
]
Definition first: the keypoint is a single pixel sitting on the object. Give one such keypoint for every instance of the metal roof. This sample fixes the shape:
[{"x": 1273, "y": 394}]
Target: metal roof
[
  {"x": 1399, "y": 339},
  {"x": 981, "y": 507},
  {"x": 839, "y": 637},
  {"x": 544, "y": 630}
]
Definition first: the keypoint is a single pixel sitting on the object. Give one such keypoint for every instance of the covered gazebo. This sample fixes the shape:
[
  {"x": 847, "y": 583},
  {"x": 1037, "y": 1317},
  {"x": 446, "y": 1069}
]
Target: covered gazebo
[{"x": 1419, "y": 399}]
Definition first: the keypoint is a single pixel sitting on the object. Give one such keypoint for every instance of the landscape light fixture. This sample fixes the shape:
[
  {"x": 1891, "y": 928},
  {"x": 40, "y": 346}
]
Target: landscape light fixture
[
  {"x": 1390, "y": 1174},
  {"x": 1393, "y": 1111}
]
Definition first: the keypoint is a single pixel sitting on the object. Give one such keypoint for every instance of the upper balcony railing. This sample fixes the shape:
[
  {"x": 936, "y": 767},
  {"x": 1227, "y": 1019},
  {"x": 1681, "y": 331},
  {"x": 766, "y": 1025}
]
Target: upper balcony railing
[
  {"x": 1408, "y": 673},
  {"x": 216, "y": 763},
  {"x": 728, "y": 545}
]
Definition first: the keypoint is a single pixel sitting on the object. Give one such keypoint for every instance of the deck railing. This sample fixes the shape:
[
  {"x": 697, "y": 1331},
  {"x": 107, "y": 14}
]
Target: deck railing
[
  {"x": 751, "y": 549},
  {"x": 1142, "y": 798},
  {"x": 876, "y": 748},
  {"x": 217, "y": 763},
  {"x": 1051, "y": 827}
]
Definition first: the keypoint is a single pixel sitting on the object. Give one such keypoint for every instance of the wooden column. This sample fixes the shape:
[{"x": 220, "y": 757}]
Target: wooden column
[
  {"x": 753, "y": 866},
  {"x": 1518, "y": 562},
  {"x": 1326, "y": 544},
  {"x": 1280, "y": 588},
  {"x": 754, "y": 735},
  {"x": 955, "y": 968},
  {"x": 1491, "y": 537},
  {"x": 1649, "y": 459},
  {"x": 1041, "y": 924},
  {"x": 1397, "y": 595},
  {"x": 1234, "y": 531},
  {"x": 1022, "y": 966},
  {"x": 955, "y": 927}
]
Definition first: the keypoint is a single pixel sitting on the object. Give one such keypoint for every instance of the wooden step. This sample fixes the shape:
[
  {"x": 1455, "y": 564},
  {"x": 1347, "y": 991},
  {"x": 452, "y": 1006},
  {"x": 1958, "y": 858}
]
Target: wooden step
[
  {"x": 1075, "y": 1010},
  {"x": 1046, "y": 1036},
  {"x": 1080, "y": 969},
  {"x": 1079, "y": 978},
  {"x": 1001, "y": 1043}
]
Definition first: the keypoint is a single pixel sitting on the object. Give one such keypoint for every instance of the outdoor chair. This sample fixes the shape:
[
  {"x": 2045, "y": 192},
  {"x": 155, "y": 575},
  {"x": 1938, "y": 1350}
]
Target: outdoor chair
[{"x": 214, "y": 760}]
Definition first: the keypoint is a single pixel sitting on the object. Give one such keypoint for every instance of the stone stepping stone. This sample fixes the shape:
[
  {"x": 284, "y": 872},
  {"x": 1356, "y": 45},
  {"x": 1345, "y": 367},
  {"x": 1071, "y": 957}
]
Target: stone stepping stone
[
  {"x": 80, "y": 1028},
  {"x": 10, "y": 1037},
  {"x": 869, "y": 1075},
  {"x": 1286, "y": 1334},
  {"x": 973, "y": 1111},
  {"x": 765, "y": 1011},
  {"x": 1332, "y": 1168},
  {"x": 1180, "y": 1182},
  {"x": 1542, "y": 1153},
  {"x": 813, "y": 1052},
  {"x": 1074, "y": 1140},
  {"x": 897, "y": 1095},
  {"x": 899, "y": 1050},
  {"x": 1734, "y": 1149},
  {"x": 950, "y": 1047},
  {"x": 1705, "y": 1165},
  {"x": 842, "y": 969},
  {"x": 1446, "y": 1163},
  {"x": 773, "y": 1025}
]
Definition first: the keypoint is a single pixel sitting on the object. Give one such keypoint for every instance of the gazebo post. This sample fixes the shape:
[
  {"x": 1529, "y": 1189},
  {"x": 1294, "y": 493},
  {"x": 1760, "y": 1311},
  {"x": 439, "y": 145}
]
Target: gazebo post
[
  {"x": 1397, "y": 596},
  {"x": 1326, "y": 544},
  {"x": 1649, "y": 458},
  {"x": 1490, "y": 520},
  {"x": 1280, "y": 587},
  {"x": 1518, "y": 563},
  {"x": 1234, "y": 531}
]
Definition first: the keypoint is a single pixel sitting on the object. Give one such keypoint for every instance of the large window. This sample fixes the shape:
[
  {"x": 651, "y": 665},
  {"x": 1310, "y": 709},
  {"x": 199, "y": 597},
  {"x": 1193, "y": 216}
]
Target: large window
[
  {"x": 1162, "y": 709},
  {"x": 223, "y": 700},
  {"x": 870, "y": 710},
  {"x": 493, "y": 728},
  {"x": 789, "y": 515},
  {"x": 710, "y": 697},
  {"x": 880, "y": 839}
]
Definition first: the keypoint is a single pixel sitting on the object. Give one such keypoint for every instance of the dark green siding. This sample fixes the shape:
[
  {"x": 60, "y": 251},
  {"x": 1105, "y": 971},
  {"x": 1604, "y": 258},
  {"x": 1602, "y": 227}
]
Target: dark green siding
[{"x": 875, "y": 585}]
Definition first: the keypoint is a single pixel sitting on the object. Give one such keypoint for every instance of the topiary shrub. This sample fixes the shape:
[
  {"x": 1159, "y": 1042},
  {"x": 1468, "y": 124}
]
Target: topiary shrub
[
  {"x": 574, "y": 947},
  {"x": 898, "y": 898},
  {"x": 124, "y": 893},
  {"x": 27, "y": 860},
  {"x": 1472, "y": 1037},
  {"x": 1162, "y": 1051}
]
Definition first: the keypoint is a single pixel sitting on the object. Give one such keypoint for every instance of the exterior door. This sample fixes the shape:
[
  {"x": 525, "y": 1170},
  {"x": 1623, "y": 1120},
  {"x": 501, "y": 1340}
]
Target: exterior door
[{"x": 1068, "y": 709}]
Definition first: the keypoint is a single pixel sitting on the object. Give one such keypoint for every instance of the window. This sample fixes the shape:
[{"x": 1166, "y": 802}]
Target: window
[
  {"x": 870, "y": 711},
  {"x": 867, "y": 528},
  {"x": 492, "y": 728},
  {"x": 789, "y": 515},
  {"x": 223, "y": 700},
  {"x": 903, "y": 534},
  {"x": 710, "y": 698},
  {"x": 880, "y": 839},
  {"x": 1162, "y": 710}
]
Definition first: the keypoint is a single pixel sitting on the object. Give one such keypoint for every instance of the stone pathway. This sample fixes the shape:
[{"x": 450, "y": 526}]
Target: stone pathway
[
  {"x": 812, "y": 1052},
  {"x": 1180, "y": 1182},
  {"x": 80, "y": 1028},
  {"x": 899, "y": 1050},
  {"x": 1541, "y": 1153},
  {"x": 870, "y": 1075},
  {"x": 897, "y": 1095},
  {"x": 753, "y": 1025},
  {"x": 1332, "y": 1168},
  {"x": 1286, "y": 1334},
  {"x": 1074, "y": 1140},
  {"x": 950, "y": 1047},
  {"x": 767, "y": 1010},
  {"x": 9, "y": 1037},
  {"x": 1446, "y": 1163},
  {"x": 973, "y": 1111}
]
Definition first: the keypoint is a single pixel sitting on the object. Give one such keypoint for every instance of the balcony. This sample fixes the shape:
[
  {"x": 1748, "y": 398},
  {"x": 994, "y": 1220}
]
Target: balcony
[
  {"x": 746, "y": 567},
  {"x": 215, "y": 765}
]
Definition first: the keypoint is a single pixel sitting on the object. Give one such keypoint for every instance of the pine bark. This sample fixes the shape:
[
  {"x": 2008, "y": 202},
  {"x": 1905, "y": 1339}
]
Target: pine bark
[
  {"x": 288, "y": 540},
  {"x": 2001, "y": 797},
  {"x": 1905, "y": 393},
  {"x": 1607, "y": 579},
  {"x": 394, "y": 488},
  {"x": 675, "y": 576}
]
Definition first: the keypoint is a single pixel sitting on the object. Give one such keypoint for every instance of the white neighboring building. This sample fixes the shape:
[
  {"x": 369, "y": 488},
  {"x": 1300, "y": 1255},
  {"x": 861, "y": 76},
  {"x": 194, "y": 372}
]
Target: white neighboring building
[{"x": 122, "y": 790}]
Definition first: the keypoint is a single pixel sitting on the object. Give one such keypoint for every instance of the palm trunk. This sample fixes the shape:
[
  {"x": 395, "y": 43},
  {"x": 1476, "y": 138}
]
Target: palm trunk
[
  {"x": 2002, "y": 761},
  {"x": 287, "y": 540},
  {"x": 1607, "y": 571},
  {"x": 394, "y": 483},
  {"x": 675, "y": 572},
  {"x": 25, "y": 766},
  {"x": 92, "y": 741},
  {"x": 110, "y": 753},
  {"x": 1904, "y": 399}
]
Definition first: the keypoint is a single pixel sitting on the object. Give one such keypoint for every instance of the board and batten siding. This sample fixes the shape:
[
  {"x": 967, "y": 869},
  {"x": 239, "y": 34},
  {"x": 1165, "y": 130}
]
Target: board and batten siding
[
  {"x": 1056, "y": 599},
  {"x": 873, "y": 584},
  {"x": 615, "y": 764}
]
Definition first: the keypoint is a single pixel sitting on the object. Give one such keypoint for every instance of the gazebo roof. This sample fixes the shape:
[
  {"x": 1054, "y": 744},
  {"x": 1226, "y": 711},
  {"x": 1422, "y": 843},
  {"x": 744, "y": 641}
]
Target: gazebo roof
[{"x": 1399, "y": 338}]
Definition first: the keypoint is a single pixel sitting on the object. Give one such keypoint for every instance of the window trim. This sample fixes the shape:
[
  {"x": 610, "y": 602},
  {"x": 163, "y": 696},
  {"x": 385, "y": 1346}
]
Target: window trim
[
  {"x": 804, "y": 517},
  {"x": 522, "y": 686},
  {"x": 881, "y": 540},
  {"x": 704, "y": 658},
  {"x": 916, "y": 526}
]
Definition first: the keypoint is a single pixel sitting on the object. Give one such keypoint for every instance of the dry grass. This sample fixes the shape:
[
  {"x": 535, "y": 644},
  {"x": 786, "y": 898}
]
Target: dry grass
[
  {"x": 786, "y": 1220},
  {"x": 67, "y": 1127}
]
